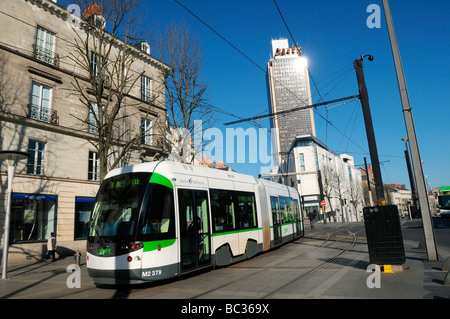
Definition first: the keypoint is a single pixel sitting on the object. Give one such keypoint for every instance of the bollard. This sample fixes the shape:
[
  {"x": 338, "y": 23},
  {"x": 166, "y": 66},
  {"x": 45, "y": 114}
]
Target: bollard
[{"x": 77, "y": 257}]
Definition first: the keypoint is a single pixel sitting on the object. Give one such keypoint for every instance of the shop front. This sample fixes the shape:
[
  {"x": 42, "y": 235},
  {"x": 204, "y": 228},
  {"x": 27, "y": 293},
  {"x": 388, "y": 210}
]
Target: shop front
[{"x": 33, "y": 217}]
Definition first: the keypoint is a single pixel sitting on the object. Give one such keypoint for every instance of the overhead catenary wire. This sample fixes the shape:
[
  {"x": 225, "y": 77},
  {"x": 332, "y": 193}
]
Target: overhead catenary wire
[
  {"x": 265, "y": 72},
  {"x": 235, "y": 48},
  {"x": 309, "y": 72},
  {"x": 218, "y": 109},
  {"x": 252, "y": 61},
  {"x": 292, "y": 110},
  {"x": 321, "y": 98}
]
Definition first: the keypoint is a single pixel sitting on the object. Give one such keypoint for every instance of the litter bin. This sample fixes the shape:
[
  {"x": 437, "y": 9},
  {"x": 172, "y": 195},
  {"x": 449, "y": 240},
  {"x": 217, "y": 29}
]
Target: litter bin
[{"x": 384, "y": 235}]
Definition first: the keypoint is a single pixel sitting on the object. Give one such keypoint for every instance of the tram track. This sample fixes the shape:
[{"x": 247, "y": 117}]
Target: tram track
[
  {"x": 323, "y": 264},
  {"x": 326, "y": 243}
]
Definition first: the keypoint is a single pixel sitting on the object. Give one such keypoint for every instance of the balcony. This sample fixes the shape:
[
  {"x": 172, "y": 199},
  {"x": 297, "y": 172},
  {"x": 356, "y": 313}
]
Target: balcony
[
  {"x": 44, "y": 114},
  {"x": 45, "y": 55}
]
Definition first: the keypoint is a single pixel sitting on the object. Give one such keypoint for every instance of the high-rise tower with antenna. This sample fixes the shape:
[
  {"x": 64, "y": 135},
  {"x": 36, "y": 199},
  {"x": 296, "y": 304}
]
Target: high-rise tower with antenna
[{"x": 288, "y": 87}]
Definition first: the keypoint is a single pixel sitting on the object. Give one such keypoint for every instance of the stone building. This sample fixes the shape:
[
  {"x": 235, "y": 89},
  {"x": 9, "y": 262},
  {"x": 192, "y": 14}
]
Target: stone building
[
  {"x": 323, "y": 175},
  {"x": 41, "y": 114}
]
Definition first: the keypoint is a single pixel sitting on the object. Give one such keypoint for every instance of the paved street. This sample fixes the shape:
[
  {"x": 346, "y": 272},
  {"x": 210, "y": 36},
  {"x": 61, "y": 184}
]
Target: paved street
[{"x": 329, "y": 262}]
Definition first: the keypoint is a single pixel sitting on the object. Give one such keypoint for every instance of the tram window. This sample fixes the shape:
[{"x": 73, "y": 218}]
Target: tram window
[
  {"x": 186, "y": 207},
  {"x": 201, "y": 201},
  {"x": 275, "y": 209},
  {"x": 296, "y": 209},
  {"x": 246, "y": 210},
  {"x": 193, "y": 210},
  {"x": 232, "y": 210},
  {"x": 297, "y": 214},
  {"x": 286, "y": 209},
  {"x": 158, "y": 220},
  {"x": 117, "y": 205},
  {"x": 222, "y": 209}
]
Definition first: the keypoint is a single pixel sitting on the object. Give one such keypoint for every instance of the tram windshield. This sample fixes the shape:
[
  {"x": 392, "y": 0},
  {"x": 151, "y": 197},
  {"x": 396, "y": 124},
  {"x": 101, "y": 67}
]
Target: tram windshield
[
  {"x": 444, "y": 201},
  {"x": 117, "y": 205}
]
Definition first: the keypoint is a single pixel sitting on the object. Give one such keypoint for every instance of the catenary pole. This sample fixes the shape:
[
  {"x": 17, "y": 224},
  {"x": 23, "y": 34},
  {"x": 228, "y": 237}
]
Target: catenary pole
[
  {"x": 364, "y": 97},
  {"x": 415, "y": 155}
]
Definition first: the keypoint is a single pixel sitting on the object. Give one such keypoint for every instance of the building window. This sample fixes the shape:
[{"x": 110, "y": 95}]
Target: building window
[
  {"x": 93, "y": 167},
  {"x": 33, "y": 217},
  {"x": 96, "y": 64},
  {"x": 145, "y": 89},
  {"x": 93, "y": 118},
  {"x": 83, "y": 208},
  {"x": 44, "y": 46},
  {"x": 40, "y": 102},
  {"x": 302, "y": 162},
  {"x": 146, "y": 129},
  {"x": 36, "y": 160},
  {"x": 98, "y": 21}
]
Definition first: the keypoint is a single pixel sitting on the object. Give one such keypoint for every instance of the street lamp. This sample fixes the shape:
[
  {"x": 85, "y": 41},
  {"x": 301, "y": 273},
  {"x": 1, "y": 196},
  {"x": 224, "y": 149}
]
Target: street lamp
[{"x": 12, "y": 157}]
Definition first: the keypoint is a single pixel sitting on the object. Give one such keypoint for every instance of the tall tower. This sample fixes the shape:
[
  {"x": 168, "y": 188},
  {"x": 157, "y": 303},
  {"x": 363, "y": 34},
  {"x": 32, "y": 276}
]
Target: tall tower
[{"x": 288, "y": 87}]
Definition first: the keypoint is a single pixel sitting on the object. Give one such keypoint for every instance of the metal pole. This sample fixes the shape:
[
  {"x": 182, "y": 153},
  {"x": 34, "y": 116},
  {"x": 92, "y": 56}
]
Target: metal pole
[
  {"x": 415, "y": 155},
  {"x": 369, "y": 129},
  {"x": 11, "y": 169},
  {"x": 12, "y": 158}
]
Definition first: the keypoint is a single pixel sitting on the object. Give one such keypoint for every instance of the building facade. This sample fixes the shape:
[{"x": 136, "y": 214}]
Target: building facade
[
  {"x": 54, "y": 190},
  {"x": 322, "y": 175},
  {"x": 288, "y": 88},
  {"x": 397, "y": 194}
]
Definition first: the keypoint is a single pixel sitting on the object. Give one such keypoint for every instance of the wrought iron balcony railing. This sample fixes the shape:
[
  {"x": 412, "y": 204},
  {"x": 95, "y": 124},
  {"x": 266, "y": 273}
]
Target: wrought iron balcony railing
[
  {"x": 44, "y": 114},
  {"x": 45, "y": 55}
]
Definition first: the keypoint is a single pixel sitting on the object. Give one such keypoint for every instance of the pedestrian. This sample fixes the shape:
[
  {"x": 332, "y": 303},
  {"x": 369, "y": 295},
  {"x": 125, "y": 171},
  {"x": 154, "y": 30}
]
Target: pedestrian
[
  {"x": 51, "y": 247},
  {"x": 311, "y": 217}
]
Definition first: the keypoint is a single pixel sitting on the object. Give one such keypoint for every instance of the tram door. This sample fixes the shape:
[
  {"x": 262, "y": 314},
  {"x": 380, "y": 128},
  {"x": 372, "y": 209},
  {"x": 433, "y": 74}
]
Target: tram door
[
  {"x": 276, "y": 217},
  {"x": 194, "y": 229}
]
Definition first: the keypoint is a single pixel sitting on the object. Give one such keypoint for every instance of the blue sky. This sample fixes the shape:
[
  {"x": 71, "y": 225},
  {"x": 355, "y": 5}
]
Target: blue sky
[{"x": 332, "y": 35}]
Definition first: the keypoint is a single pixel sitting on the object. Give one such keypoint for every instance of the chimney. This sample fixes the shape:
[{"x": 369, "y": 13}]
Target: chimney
[{"x": 94, "y": 15}]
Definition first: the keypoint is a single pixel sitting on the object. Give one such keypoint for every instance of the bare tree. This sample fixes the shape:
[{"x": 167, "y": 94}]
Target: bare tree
[
  {"x": 341, "y": 192},
  {"x": 328, "y": 184},
  {"x": 103, "y": 50},
  {"x": 388, "y": 194},
  {"x": 185, "y": 90},
  {"x": 356, "y": 197}
]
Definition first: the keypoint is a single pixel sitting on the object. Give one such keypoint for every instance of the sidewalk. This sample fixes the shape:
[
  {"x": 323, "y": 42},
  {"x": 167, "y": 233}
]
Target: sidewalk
[
  {"x": 42, "y": 280},
  {"x": 420, "y": 279}
]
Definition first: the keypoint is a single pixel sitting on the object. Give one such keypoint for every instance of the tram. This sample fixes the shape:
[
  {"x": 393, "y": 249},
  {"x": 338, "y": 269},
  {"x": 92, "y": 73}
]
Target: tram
[{"x": 158, "y": 220}]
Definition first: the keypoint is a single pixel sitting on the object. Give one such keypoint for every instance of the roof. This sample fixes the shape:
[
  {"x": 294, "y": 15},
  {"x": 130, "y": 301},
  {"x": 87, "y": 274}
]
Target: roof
[
  {"x": 63, "y": 13},
  {"x": 308, "y": 137}
]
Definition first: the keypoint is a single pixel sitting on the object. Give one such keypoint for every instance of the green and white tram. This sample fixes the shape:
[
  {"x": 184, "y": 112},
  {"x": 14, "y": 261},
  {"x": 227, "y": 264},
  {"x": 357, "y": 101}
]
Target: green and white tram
[{"x": 154, "y": 221}]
